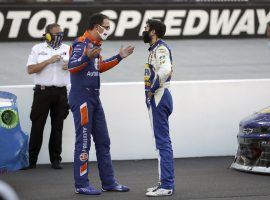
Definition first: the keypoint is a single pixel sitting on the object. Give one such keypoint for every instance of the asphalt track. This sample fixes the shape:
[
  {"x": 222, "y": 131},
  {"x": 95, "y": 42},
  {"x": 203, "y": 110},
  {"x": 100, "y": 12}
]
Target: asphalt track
[
  {"x": 206, "y": 178},
  {"x": 193, "y": 60}
]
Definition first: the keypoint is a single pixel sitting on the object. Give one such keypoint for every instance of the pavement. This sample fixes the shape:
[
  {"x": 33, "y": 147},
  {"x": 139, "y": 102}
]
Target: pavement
[{"x": 207, "y": 178}]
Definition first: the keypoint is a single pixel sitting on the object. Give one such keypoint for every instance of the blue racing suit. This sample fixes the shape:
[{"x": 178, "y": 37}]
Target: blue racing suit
[
  {"x": 88, "y": 114},
  {"x": 158, "y": 71}
]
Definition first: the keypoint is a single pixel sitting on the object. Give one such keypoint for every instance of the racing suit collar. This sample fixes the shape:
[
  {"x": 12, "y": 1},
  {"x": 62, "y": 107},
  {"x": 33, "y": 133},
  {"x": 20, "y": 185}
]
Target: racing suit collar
[
  {"x": 159, "y": 41},
  {"x": 91, "y": 38}
]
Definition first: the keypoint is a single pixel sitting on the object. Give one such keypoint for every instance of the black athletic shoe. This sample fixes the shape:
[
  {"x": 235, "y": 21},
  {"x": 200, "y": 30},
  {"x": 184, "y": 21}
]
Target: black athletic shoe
[
  {"x": 31, "y": 166},
  {"x": 57, "y": 165}
]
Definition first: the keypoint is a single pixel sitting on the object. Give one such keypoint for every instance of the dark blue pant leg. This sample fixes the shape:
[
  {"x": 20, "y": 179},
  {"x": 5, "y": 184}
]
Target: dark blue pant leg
[
  {"x": 82, "y": 107},
  {"x": 160, "y": 115},
  {"x": 102, "y": 144}
]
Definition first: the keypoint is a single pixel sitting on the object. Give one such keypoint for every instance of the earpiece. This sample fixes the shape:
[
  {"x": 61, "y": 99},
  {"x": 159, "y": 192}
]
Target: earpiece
[{"x": 48, "y": 37}]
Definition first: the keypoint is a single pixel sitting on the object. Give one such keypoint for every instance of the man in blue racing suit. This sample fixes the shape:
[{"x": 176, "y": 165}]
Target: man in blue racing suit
[
  {"x": 85, "y": 66},
  {"x": 158, "y": 71}
]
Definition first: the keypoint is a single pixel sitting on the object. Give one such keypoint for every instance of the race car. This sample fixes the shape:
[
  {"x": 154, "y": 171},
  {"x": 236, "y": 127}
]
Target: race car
[
  {"x": 253, "y": 154},
  {"x": 13, "y": 141}
]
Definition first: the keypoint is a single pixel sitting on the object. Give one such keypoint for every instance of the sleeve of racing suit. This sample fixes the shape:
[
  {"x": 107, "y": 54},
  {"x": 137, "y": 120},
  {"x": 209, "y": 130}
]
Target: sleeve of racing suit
[
  {"x": 78, "y": 58},
  {"x": 164, "y": 67},
  {"x": 107, "y": 64}
]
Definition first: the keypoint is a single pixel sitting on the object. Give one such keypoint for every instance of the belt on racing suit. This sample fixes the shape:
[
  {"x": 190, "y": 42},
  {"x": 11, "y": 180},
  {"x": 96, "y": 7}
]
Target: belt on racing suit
[{"x": 89, "y": 90}]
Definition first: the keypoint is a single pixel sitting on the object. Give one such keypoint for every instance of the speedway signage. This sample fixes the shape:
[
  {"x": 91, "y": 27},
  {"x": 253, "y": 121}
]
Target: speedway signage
[{"x": 24, "y": 23}]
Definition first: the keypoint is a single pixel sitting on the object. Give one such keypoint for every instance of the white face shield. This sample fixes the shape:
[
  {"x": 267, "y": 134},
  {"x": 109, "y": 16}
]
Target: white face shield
[{"x": 104, "y": 35}]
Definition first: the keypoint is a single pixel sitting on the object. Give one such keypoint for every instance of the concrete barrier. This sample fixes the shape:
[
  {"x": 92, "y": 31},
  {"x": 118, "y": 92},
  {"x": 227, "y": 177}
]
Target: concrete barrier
[{"x": 204, "y": 122}]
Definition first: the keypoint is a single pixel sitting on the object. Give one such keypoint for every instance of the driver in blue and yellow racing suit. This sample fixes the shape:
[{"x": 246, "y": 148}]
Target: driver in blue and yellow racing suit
[
  {"x": 158, "y": 72},
  {"x": 85, "y": 66}
]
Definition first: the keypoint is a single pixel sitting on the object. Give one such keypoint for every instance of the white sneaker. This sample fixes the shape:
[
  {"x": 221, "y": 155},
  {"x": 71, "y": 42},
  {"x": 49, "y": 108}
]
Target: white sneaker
[
  {"x": 153, "y": 188},
  {"x": 159, "y": 192}
]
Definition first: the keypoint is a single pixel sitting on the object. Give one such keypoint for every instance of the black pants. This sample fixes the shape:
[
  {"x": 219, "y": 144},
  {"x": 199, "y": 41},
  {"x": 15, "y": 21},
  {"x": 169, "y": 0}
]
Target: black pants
[{"x": 53, "y": 99}]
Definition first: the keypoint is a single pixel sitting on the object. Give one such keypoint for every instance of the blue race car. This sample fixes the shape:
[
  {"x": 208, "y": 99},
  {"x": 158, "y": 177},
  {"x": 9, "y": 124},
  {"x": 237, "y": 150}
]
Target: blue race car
[
  {"x": 253, "y": 154},
  {"x": 13, "y": 141}
]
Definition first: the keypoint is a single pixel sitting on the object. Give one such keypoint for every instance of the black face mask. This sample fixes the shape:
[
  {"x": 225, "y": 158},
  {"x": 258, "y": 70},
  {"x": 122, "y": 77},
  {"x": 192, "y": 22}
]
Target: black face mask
[{"x": 146, "y": 37}]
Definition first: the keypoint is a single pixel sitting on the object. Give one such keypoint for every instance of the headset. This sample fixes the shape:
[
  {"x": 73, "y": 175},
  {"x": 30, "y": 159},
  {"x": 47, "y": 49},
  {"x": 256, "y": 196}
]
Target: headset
[{"x": 47, "y": 37}]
